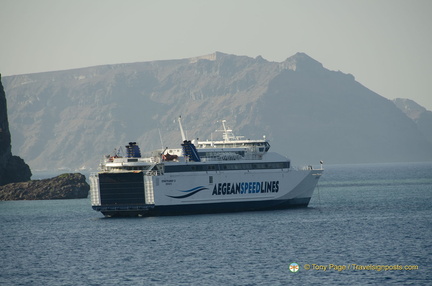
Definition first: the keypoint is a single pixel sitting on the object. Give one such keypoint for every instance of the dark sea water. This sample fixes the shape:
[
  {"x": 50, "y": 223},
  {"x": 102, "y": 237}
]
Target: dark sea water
[{"x": 367, "y": 215}]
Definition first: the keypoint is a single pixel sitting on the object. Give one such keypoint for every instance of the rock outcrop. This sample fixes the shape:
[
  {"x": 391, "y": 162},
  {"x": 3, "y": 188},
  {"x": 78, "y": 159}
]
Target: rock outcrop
[
  {"x": 65, "y": 186},
  {"x": 12, "y": 168}
]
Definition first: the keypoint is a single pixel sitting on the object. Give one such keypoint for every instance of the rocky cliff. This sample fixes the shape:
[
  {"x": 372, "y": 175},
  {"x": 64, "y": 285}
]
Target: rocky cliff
[
  {"x": 65, "y": 186},
  {"x": 420, "y": 115},
  {"x": 70, "y": 119},
  {"x": 12, "y": 168}
]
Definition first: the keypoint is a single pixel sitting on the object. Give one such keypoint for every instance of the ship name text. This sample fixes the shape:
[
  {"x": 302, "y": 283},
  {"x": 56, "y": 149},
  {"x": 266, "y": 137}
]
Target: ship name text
[{"x": 245, "y": 188}]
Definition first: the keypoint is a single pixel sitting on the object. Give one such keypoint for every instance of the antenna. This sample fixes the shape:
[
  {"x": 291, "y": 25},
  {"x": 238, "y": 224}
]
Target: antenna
[
  {"x": 227, "y": 135},
  {"x": 181, "y": 129},
  {"x": 160, "y": 137}
]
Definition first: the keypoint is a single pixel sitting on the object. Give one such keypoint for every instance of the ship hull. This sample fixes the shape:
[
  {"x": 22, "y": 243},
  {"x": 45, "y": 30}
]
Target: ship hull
[
  {"x": 207, "y": 192},
  {"x": 192, "y": 209}
]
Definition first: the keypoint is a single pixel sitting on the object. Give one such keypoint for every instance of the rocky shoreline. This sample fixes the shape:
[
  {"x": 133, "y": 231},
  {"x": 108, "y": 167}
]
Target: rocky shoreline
[{"x": 64, "y": 186}]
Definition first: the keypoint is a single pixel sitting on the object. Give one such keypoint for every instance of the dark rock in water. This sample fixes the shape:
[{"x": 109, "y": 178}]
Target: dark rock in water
[
  {"x": 12, "y": 168},
  {"x": 65, "y": 186},
  {"x": 17, "y": 170}
]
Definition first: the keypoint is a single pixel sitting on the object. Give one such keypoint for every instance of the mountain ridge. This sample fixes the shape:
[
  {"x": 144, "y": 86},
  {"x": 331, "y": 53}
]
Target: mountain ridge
[
  {"x": 420, "y": 115},
  {"x": 69, "y": 119}
]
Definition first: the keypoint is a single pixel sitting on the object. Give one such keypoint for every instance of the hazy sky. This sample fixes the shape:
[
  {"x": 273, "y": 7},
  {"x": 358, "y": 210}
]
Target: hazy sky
[{"x": 385, "y": 44}]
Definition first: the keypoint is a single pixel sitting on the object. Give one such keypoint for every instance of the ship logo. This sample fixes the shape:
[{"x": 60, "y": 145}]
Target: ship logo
[{"x": 189, "y": 193}]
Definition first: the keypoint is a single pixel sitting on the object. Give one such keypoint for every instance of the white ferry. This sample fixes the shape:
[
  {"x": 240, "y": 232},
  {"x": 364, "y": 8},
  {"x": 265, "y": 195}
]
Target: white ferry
[{"x": 230, "y": 175}]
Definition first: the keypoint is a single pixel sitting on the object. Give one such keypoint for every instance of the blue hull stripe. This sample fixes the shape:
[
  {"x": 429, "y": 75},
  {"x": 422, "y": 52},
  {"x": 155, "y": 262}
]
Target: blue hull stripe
[{"x": 190, "y": 193}]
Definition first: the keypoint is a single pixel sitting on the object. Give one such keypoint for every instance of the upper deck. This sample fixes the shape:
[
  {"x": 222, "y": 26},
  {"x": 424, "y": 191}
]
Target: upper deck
[{"x": 231, "y": 148}]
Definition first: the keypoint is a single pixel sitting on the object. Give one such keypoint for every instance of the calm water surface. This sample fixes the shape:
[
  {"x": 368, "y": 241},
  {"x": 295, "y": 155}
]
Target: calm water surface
[{"x": 367, "y": 215}]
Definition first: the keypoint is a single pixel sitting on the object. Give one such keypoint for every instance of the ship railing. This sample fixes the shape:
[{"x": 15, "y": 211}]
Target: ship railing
[
  {"x": 306, "y": 168},
  {"x": 219, "y": 159}
]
